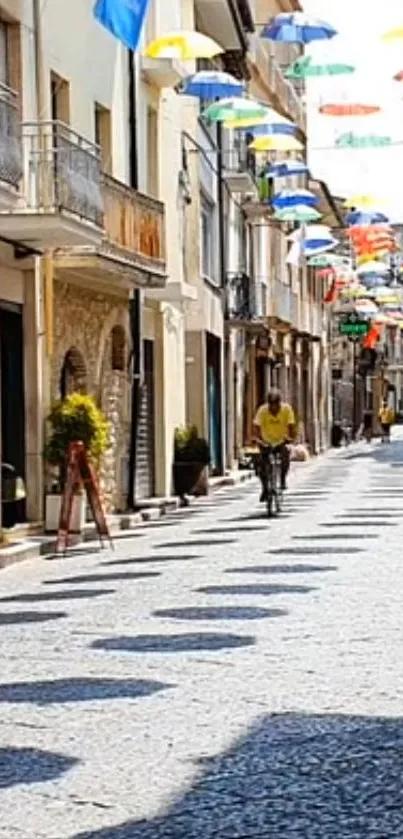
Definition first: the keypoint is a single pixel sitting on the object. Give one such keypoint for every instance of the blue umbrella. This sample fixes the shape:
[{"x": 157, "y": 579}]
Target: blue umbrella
[
  {"x": 297, "y": 28},
  {"x": 357, "y": 217},
  {"x": 272, "y": 128},
  {"x": 287, "y": 168},
  {"x": 212, "y": 84},
  {"x": 294, "y": 198}
]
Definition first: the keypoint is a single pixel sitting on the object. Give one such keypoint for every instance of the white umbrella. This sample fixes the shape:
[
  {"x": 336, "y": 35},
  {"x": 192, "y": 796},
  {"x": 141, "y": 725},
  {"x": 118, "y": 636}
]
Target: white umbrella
[{"x": 373, "y": 267}]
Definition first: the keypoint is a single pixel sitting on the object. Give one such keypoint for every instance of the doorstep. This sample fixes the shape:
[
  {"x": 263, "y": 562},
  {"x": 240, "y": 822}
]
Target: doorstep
[{"x": 151, "y": 509}]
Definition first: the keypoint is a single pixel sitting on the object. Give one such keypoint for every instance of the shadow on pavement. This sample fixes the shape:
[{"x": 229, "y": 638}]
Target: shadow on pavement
[
  {"x": 264, "y": 589},
  {"x": 240, "y": 529},
  {"x": 355, "y": 522},
  {"x": 324, "y": 537},
  {"x": 202, "y": 543},
  {"x": 31, "y": 766},
  {"x": 151, "y": 559},
  {"x": 61, "y": 691},
  {"x": 9, "y": 618},
  {"x": 293, "y": 776},
  {"x": 282, "y": 569},
  {"x": 70, "y": 594},
  {"x": 188, "y": 642},
  {"x": 315, "y": 550},
  {"x": 102, "y": 578},
  {"x": 223, "y": 613}
]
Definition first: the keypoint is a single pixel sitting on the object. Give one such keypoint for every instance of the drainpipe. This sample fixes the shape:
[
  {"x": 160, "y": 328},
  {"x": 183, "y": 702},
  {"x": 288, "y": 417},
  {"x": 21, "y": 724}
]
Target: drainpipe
[
  {"x": 222, "y": 269},
  {"x": 135, "y": 301}
]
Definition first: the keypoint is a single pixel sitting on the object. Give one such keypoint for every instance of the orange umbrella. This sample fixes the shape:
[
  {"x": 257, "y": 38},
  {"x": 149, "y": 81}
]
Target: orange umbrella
[
  {"x": 332, "y": 294},
  {"x": 352, "y": 109},
  {"x": 371, "y": 337}
]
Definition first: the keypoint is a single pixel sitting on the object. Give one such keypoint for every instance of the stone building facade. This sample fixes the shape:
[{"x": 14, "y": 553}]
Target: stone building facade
[{"x": 92, "y": 355}]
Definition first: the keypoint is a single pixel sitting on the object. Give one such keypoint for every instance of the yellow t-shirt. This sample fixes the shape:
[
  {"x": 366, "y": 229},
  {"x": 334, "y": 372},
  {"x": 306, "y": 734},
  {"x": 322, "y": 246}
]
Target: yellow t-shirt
[
  {"x": 386, "y": 415},
  {"x": 274, "y": 427}
]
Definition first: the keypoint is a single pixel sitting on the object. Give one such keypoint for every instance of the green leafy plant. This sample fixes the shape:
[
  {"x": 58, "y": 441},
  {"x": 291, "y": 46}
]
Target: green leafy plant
[
  {"x": 190, "y": 447},
  {"x": 76, "y": 418}
]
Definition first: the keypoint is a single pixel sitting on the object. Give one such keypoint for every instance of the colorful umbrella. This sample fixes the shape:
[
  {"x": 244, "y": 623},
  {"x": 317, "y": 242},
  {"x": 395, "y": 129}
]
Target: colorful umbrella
[
  {"x": 299, "y": 214},
  {"x": 297, "y": 28},
  {"x": 212, "y": 84},
  {"x": 268, "y": 128},
  {"x": 361, "y": 201},
  {"x": 183, "y": 45},
  {"x": 279, "y": 142},
  {"x": 287, "y": 168},
  {"x": 271, "y": 117},
  {"x": 358, "y": 217},
  {"x": 351, "y": 109},
  {"x": 365, "y": 141},
  {"x": 325, "y": 261},
  {"x": 293, "y": 198},
  {"x": 393, "y": 34},
  {"x": 304, "y": 68},
  {"x": 399, "y": 76},
  {"x": 234, "y": 109},
  {"x": 373, "y": 267}
]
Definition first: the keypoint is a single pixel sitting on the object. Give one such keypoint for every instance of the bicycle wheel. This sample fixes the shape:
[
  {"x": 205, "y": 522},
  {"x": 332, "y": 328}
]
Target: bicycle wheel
[{"x": 278, "y": 493}]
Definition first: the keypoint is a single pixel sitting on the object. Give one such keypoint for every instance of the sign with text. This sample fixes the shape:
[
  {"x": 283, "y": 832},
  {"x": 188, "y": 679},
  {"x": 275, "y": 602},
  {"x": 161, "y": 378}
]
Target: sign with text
[
  {"x": 352, "y": 326},
  {"x": 80, "y": 472}
]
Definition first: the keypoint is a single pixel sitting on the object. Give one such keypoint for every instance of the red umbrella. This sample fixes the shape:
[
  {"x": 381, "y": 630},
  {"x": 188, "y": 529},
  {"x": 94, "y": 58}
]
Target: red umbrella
[
  {"x": 399, "y": 76},
  {"x": 352, "y": 109}
]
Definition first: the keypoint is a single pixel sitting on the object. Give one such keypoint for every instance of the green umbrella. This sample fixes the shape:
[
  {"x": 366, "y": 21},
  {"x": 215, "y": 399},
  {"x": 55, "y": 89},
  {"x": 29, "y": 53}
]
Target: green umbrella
[
  {"x": 299, "y": 214},
  {"x": 304, "y": 68},
  {"x": 227, "y": 110},
  {"x": 364, "y": 141},
  {"x": 325, "y": 260}
]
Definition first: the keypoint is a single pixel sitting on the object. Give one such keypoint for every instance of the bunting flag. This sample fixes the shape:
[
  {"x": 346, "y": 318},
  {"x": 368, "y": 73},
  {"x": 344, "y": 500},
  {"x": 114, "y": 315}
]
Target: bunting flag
[
  {"x": 372, "y": 337},
  {"x": 123, "y": 18}
]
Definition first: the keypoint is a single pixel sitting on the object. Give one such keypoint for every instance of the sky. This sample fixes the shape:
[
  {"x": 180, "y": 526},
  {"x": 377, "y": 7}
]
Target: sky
[{"x": 360, "y": 24}]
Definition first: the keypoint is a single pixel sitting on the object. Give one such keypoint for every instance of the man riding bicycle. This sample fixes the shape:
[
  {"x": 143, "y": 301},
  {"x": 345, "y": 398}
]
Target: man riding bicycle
[{"x": 274, "y": 425}]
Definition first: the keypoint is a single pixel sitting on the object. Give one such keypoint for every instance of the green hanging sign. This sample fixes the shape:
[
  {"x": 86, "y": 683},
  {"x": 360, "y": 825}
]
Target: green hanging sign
[{"x": 352, "y": 326}]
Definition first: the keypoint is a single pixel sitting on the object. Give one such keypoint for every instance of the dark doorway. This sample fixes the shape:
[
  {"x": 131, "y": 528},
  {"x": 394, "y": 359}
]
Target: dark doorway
[
  {"x": 145, "y": 461},
  {"x": 213, "y": 358},
  {"x": 12, "y": 403}
]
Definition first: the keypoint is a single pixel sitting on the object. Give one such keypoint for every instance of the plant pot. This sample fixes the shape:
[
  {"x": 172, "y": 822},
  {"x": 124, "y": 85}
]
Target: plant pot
[
  {"x": 52, "y": 513},
  {"x": 190, "y": 479}
]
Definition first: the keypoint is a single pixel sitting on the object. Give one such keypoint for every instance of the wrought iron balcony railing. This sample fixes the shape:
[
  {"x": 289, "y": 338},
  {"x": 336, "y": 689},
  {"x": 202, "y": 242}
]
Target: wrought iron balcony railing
[
  {"x": 240, "y": 302},
  {"x": 63, "y": 171},
  {"x": 11, "y": 158}
]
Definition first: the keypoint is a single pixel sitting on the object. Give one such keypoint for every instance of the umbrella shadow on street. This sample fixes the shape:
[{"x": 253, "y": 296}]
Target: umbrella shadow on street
[
  {"x": 10, "y": 618},
  {"x": 67, "y": 690},
  {"x": 31, "y": 766},
  {"x": 175, "y": 643},
  {"x": 217, "y": 613},
  {"x": 113, "y": 576},
  {"x": 264, "y": 589},
  {"x": 282, "y": 569},
  {"x": 45, "y": 597},
  {"x": 292, "y": 775}
]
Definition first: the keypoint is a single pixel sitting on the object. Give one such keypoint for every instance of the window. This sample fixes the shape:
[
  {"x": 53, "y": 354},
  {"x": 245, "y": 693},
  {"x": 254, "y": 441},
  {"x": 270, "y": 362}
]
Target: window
[
  {"x": 60, "y": 98},
  {"x": 103, "y": 136},
  {"x": 4, "y": 57},
  {"x": 207, "y": 238}
]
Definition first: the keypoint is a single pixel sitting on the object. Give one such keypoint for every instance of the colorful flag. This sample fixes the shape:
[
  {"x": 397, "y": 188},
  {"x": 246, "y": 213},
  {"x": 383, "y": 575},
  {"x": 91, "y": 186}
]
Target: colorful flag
[{"x": 123, "y": 18}]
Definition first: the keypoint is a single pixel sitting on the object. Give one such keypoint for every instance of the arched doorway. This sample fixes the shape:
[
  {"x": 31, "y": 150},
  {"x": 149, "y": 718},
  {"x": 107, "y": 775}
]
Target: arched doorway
[
  {"x": 73, "y": 375},
  {"x": 115, "y": 403}
]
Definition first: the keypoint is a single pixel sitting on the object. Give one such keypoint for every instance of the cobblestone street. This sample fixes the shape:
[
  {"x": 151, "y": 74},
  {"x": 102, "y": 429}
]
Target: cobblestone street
[{"x": 218, "y": 675}]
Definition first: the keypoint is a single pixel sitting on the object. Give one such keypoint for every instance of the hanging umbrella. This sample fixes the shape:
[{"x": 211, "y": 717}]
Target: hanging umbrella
[
  {"x": 351, "y": 109},
  {"x": 297, "y": 28},
  {"x": 278, "y": 142},
  {"x": 364, "y": 141},
  {"x": 299, "y": 214},
  {"x": 393, "y": 34},
  {"x": 304, "y": 68},
  {"x": 233, "y": 109},
  {"x": 212, "y": 84},
  {"x": 374, "y": 267},
  {"x": 358, "y": 217},
  {"x": 183, "y": 45},
  {"x": 266, "y": 129},
  {"x": 399, "y": 76},
  {"x": 270, "y": 117},
  {"x": 287, "y": 168},
  {"x": 293, "y": 198},
  {"x": 354, "y": 291},
  {"x": 363, "y": 201},
  {"x": 326, "y": 261}
]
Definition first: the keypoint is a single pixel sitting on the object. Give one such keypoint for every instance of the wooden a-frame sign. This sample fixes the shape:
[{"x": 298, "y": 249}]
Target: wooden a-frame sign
[{"x": 80, "y": 472}]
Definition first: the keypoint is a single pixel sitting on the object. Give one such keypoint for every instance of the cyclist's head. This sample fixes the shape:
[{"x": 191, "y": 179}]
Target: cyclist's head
[{"x": 274, "y": 400}]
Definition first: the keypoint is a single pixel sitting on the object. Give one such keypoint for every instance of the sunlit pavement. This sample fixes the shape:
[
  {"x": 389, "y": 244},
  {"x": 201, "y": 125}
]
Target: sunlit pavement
[{"x": 218, "y": 675}]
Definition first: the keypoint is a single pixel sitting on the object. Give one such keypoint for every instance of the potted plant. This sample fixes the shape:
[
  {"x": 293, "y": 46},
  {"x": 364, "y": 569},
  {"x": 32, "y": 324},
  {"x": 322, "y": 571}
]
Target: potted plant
[
  {"x": 191, "y": 459},
  {"x": 73, "y": 419}
]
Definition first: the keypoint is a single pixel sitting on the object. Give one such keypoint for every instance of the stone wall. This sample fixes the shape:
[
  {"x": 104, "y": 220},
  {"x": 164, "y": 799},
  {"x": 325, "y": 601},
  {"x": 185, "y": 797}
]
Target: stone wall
[{"x": 91, "y": 329}]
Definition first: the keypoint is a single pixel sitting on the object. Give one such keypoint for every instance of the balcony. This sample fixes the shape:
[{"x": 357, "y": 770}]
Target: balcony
[
  {"x": 267, "y": 73},
  {"x": 241, "y": 304},
  {"x": 163, "y": 72},
  {"x": 11, "y": 160},
  {"x": 280, "y": 303},
  {"x": 224, "y": 21},
  {"x": 239, "y": 170},
  {"x": 132, "y": 250},
  {"x": 60, "y": 202}
]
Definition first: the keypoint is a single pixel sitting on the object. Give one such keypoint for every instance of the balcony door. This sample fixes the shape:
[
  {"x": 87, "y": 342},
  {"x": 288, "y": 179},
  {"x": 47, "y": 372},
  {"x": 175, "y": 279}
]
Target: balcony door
[{"x": 12, "y": 406}]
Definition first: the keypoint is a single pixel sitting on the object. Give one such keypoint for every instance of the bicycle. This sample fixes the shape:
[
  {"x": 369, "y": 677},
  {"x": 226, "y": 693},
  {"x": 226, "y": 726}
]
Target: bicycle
[{"x": 271, "y": 469}]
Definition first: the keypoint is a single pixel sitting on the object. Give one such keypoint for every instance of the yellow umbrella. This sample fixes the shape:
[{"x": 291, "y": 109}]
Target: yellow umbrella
[
  {"x": 183, "y": 45},
  {"x": 393, "y": 34},
  {"x": 276, "y": 142},
  {"x": 354, "y": 291},
  {"x": 367, "y": 201}
]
